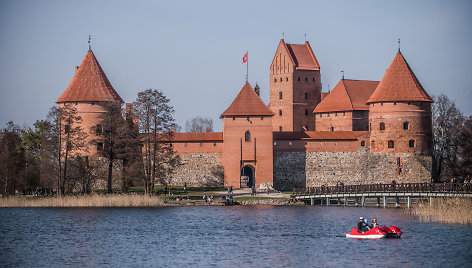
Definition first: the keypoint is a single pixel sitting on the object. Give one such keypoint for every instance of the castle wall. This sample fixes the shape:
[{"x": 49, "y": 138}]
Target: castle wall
[
  {"x": 296, "y": 169},
  {"x": 198, "y": 170},
  {"x": 342, "y": 121}
]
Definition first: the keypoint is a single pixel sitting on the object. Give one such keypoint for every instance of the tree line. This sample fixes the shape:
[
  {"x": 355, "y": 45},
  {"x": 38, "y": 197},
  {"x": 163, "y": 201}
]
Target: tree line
[{"x": 52, "y": 155}]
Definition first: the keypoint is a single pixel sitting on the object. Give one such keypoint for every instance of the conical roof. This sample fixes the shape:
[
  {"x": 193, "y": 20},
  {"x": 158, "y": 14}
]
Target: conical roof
[
  {"x": 247, "y": 103},
  {"x": 89, "y": 83},
  {"x": 399, "y": 84}
]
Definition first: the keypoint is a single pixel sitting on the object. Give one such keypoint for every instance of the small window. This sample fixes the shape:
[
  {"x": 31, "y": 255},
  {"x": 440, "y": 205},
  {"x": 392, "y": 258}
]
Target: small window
[
  {"x": 286, "y": 78},
  {"x": 76, "y": 103},
  {"x": 321, "y": 115},
  {"x": 313, "y": 79},
  {"x": 185, "y": 145},
  {"x": 370, "y": 126},
  {"x": 93, "y": 104},
  {"x": 99, "y": 146},
  {"x": 306, "y": 112},
  {"x": 280, "y": 112},
  {"x": 382, "y": 126},
  {"x": 394, "y": 103},
  {"x": 327, "y": 114},
  {"x": 280, "y": 79},
  {"x": 362, "y": 143},
  {"x": 344, "y": 113},
  {"x": 299, "y": 79},
  {"x": 406, "y": 125},
  {"x": 275, "y": 80},
  {"x": 391, "y": 144},
  {"x": 67, "y": 128},
  {"x": 332, "y": 128},
  {"x": 336, "y": 114},
  {"x": 280, "y": 128},
  {"x": 247, "y": 136},
  {"x": 280, "y": 95},
  {"x": 306, "y": 95},
  {"x": 234, "y": 118},
  {"x": 306, "y": 79},
  {"x": 201, "y": 144},
  {"x": 411, "y": 144},
  {"x": 214, "y": 144},
  {"x": 262, "y": 118}
]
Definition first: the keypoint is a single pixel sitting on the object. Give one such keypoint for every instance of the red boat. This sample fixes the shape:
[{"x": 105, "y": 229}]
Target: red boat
[{"x": 375, "y": 233}]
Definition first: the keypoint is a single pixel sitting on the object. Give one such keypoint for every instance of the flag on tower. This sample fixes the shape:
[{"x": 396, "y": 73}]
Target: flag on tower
[{"x": 245, "y": 58}]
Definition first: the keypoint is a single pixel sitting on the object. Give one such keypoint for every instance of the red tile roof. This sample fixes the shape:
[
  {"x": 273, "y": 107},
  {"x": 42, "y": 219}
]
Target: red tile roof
[
  {"x": 89, "y": 84},
  {"x": 303, "y": 56},
  {"x": 347, "y": 95},
  {"x": 247, "y": 103},
  {"x": 319, "y": 135},
  {"x": 399, "y": 84}
]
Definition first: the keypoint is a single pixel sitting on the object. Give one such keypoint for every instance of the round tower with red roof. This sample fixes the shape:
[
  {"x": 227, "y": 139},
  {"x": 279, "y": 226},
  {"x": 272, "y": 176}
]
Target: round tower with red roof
[
  {"x": 86, "y": 92},
  {"x": 400, "y": 112}
]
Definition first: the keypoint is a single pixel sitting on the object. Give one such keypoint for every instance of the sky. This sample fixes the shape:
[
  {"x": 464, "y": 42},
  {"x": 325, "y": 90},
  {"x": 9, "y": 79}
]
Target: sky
[{"x": 192, "y": 50}]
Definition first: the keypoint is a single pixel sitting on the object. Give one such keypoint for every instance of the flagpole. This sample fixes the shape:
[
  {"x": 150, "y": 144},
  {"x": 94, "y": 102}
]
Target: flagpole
[{"x": 247, "y": 66}]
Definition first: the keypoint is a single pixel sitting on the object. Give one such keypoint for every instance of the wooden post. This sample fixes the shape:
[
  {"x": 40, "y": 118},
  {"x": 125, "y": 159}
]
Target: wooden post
[
  {"x": 312, "y": 201},
  {"x": 409, "y": 202},
  {"x": 345, "y": 201},
  {"x": 327, "y": 201},
  {"x": 362, "y": 201},
  {"x": 385, "y": 201}
]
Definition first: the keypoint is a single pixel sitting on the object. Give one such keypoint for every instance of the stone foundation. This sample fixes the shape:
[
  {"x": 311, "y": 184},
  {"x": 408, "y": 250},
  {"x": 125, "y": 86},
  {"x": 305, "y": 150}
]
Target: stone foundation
[{"x": 199, "y": 170}]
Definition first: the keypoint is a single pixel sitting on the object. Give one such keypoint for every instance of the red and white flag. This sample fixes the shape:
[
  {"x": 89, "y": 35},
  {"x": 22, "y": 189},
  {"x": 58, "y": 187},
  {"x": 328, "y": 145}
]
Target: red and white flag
[{"x": 245, "y": 58}]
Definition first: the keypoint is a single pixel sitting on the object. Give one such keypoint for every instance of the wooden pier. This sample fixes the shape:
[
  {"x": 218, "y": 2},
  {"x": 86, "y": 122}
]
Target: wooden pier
[{"x": 380, "y": 194}]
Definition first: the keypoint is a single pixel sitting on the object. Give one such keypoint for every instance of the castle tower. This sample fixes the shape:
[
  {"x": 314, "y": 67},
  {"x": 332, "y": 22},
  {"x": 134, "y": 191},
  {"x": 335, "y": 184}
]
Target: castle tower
[
  {"x": 88, "y": 89},
  {"x": 248, "y": 141},
  {"x": 400, "y": 112},
  {"x": 295, "y": 87}
]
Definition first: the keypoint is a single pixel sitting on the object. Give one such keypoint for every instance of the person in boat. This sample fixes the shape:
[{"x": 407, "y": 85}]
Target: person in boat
[
  {"x": 360, "y": 225},
  {"x": 374, "y": 223}
]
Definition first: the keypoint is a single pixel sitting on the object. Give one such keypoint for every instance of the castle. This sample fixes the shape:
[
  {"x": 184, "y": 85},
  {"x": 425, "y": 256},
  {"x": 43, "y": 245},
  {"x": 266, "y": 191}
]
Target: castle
[{"x": 360, "y": 132}]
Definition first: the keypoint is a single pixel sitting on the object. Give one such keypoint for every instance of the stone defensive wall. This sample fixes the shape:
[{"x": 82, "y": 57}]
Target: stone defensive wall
[{"x": 201, "y": 159}]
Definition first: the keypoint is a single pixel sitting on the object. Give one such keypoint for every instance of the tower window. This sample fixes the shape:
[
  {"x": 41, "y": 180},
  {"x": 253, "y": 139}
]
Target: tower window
[
  {"x": 67, "y": 128},
  {"x": 99, "y": 146},
  {"x": 262, "y": 117},
  {"x": 391, "y": 144},
  {"x": 234, "y": 118},
  {"x": 280, "y": 79},
  {"x": 332, "y": 128},
  {"x": 286, "y": 78},
  {"x": 280, "y": 95},
  {"x": 306, "y": 79},
  {"x": 299, "y": 79},
  {"x": 406, "y": 125},
  {"x": 280, "y": 128},
  {"x": 313, "y": 80},
  {"x": 306, "y": 95},
  {"x": 275, "y": 80},
  {"x": 280, "y": 112},
  {"x": 321, "y": 115},
  {"x": 306, "y": 112},
  {"x": 370, "y": 126},
  {"x": 247, "y": 136},
  {"x": 411, "y": 144},
  {"x": 362, "y": 143},
  {"x": 382, "y": 126},
  {"x": 201, "y": 144}
]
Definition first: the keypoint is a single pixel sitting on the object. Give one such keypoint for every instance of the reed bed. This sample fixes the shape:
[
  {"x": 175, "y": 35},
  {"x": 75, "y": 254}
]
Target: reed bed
[
  {"x": 93, "y": 200},
  {"x": 445, "y": 210}
]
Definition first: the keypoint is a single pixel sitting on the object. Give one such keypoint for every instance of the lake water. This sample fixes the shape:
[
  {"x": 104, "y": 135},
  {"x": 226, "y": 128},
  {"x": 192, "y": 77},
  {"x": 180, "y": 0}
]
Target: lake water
[{"x": 240, "y": 236}]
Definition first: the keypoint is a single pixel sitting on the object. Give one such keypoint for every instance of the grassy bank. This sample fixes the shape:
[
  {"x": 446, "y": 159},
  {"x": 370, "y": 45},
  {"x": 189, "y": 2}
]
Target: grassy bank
[
  {"x": 445, "y": 210},
  {"x": 94, "y": 200}
]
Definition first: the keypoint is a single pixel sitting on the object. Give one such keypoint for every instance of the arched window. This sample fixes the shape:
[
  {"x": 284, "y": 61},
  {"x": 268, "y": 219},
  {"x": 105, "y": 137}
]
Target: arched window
[
  {"x": 280, "y": 112},
  {"x": 280, "y": 128},
  {"x": 406, "y": 125},
  {"x": 280, "y": 79},
  {"x": 280, "y": 95},
  {"x": 332, "y": 128},
  {"x": 382, "y": 126},
  {"x": 391, "y": 144},
  {"x": 362, "y": 143},
  {"x": 411, "y": 143},
  {"x": 247, "y": 136},
  {"x": 306, "y": 112}
]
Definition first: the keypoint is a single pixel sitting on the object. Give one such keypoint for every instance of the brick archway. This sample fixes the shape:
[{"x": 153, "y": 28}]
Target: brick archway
[{"x": 247, "y": 176}]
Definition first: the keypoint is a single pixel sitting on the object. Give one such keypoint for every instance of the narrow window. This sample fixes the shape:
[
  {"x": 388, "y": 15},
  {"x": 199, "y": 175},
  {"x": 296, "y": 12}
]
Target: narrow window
[
  {"x": 394, "y": 103},
  {"x": 382, "y": 126},
  {"x": 391, "y": 144},
  {"x": 362, "y": 143},
  {"x": 275, "y": 80},
  {"x": 336, "y": 114},
  {"x": 286, "y": 78},
  {"x": 299, "y": 79},
  {"x": 313, "y": 80},
  {"x": 247, "y": 136},
  {"x": 99, "y": 146},
  {"x": 306, "y": 79},
  {"x": 234, "y": 118},
  {"x": 280, "y": 112},
  {"x": 280, "y": 79},
  {"x": 332, "y": 128},
  {"x": 321, "y": 115},
  {"x": 306, "y": 112},
  {"x": 411, "y": 144},
  {"x": 67, "y": 128},
  {"x": 370, "y": 126},
  {"x": 262, "y": 117},
  {"x": 185, "y": 145},
  {"x": 327, "y": 114},
  {"x": 280, "y": 128},
  {"x": 280, "y": 95},
  {"x": 372, "y": 145},
  {"x": 306, "y": 95},
  {"x": 406, "y": 125},
  {"x": 214, "y": 144},
  {"x": 201, "y": 144}
]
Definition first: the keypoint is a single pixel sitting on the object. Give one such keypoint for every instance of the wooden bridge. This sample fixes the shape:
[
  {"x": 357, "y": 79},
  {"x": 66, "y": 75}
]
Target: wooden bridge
[{"x": 377, "y": 194}]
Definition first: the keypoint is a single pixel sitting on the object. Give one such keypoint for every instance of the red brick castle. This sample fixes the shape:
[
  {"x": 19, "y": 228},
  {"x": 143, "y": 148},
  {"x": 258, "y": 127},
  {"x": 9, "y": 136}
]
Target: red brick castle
[{"x": 360, "y": 132}]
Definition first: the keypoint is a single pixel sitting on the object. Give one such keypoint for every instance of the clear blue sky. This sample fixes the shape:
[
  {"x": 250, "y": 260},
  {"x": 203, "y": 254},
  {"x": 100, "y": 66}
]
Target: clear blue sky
[{"x": 192, "y": 50}]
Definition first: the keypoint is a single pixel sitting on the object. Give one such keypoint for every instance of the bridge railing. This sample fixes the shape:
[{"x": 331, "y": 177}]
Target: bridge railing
[{"x": 460, "y": 188}]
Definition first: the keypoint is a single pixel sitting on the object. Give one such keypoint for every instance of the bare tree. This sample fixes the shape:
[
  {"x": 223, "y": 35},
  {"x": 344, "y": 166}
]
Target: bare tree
[
  {"x": 156, "y": 120},
  {"x": 199, "y": 124},
  {"x": 12, "y": 160},
  {"x": 447, "y": 125},
  {"x": 465, "y": 149}
]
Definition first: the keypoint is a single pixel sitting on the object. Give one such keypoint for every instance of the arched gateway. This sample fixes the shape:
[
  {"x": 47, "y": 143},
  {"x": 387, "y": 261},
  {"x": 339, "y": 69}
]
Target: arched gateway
[{"x": 247, "y": 177}]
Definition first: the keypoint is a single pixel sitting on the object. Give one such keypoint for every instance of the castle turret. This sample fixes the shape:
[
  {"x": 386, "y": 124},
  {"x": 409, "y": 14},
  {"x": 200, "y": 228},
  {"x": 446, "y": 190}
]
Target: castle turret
[
  {"x": 89, "y": 89},
  {"x": 295, "y": 87},
  {"x": 400, "y": 112}
]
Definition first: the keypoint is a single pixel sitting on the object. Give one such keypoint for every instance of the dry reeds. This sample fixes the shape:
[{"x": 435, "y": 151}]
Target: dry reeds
[
  {"x": 445, "y": 210},
  {"x": 94, "y": 200}
]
